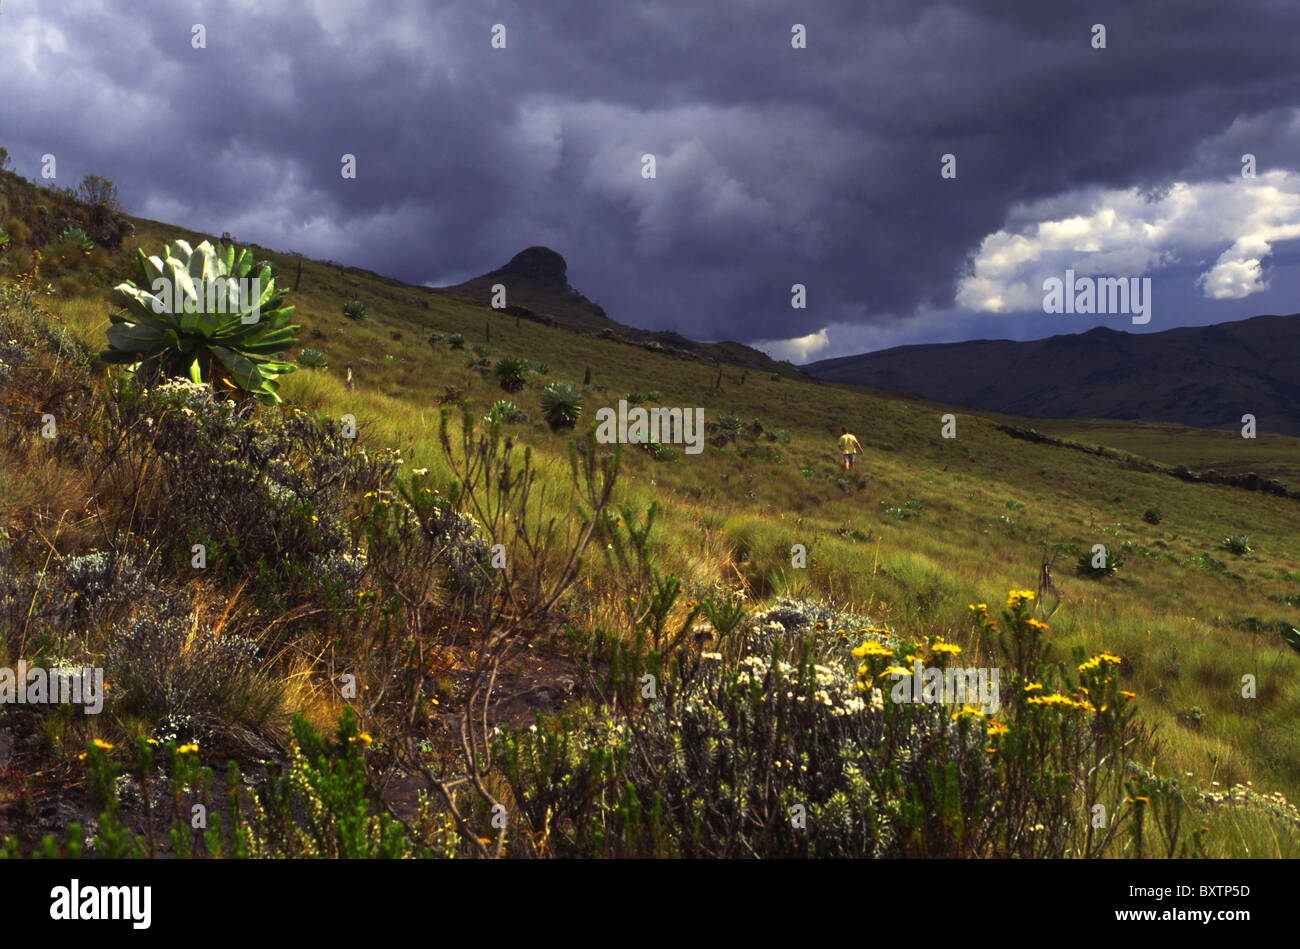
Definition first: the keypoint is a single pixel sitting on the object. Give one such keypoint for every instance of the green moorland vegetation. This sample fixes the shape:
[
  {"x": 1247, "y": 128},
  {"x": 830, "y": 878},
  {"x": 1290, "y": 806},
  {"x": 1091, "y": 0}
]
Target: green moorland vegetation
[{"x": 328, "y": 619}]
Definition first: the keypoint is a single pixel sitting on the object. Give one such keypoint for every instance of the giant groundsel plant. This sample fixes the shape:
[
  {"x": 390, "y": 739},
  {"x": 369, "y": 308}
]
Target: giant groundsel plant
[{"x": 205, "y": 315}]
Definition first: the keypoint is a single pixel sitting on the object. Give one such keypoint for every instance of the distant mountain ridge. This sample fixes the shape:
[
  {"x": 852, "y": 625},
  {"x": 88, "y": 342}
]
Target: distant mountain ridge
[
  {"x": 537, "y": 287},
  {"x": 1203, "y": 376}
]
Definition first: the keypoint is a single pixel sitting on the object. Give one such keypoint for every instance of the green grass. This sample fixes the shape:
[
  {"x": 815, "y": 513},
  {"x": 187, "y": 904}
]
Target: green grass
[
  {"x": 973, "y": 512},
  {"x": 1268, "y": 455}
]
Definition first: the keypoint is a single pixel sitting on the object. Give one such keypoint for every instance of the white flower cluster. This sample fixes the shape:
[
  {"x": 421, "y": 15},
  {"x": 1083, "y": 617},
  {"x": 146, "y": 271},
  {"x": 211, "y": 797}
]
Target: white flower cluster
[
  {"x": 1274, "y": 804},
  {"x": 279, "y": 492},
  {"x": 341, "y": 568},
  {"x": 836, "y": 685},
  {"x": 192, "y": 398},
  {"x": 185, "y": 388}
]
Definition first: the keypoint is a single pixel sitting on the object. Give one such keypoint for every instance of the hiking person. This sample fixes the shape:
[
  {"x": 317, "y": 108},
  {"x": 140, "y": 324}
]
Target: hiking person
[{"x": 849, "y": 448}]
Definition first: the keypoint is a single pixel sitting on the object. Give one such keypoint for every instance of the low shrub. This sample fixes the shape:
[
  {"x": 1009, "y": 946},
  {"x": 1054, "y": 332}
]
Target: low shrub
[
  {"x": 162, "y": 663},
  {"x": 774, "y": 753},
  {"x": 265, "y": 494}
]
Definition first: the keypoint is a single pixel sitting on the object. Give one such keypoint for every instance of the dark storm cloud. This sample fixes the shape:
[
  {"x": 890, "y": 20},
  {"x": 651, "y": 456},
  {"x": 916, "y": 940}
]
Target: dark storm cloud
[{"x": 775, "y": 165}]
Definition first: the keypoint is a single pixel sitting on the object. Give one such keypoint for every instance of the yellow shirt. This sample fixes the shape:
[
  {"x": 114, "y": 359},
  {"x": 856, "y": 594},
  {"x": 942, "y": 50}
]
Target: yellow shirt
[{"x": 849, "y": 445}]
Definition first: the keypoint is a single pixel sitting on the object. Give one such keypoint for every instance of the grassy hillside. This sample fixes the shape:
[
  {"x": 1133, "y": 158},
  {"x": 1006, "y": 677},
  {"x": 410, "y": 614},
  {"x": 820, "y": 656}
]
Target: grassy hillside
[
  {"x": 1268, "y": 455},
  {"x": 923, "y": 527}
]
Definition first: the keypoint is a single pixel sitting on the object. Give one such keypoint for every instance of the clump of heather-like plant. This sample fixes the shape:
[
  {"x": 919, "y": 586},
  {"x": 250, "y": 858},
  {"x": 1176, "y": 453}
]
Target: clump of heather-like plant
[
  {"x": 162, "y": 664},
  {"x": 253, "y": 496},
  {"x": 78, "y": 590},
  {"x": 777, "y": 754}
]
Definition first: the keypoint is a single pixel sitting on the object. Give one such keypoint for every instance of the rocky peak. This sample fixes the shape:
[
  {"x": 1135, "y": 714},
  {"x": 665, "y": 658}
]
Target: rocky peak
[{"x": 538, "y": 265}]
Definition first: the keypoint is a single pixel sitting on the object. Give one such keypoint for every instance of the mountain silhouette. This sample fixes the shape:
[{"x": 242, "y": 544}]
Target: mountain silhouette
[
  {"x": 1203, "y": 376},
  {"x": 537, "y": 288}
]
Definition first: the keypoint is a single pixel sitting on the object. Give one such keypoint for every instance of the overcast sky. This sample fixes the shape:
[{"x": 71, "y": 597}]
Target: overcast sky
[{"x": 775, "y": 165}]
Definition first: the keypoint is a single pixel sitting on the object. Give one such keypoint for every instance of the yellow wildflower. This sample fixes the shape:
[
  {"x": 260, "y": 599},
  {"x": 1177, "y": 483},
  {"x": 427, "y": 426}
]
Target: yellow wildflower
[
  {"x": 1096, "y": 661},
  {"x": 1063, "y": 701},
  {"x": 872, "y": 648},
  {"x": 1016, "y": 597}
]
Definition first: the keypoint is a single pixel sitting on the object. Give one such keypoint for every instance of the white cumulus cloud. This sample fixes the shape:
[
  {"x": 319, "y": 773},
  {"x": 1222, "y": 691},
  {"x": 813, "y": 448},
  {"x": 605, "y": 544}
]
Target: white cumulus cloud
[{"x": 1126, "y": 233}]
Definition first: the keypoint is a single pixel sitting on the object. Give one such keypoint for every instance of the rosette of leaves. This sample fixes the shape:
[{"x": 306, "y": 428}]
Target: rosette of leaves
[
  {"x": 511, "y": 373},
  {"x": 313, "y": 358},
  {"x": 75, "y": 235},
  {"x": 1239, "y": 545},
  {"x": 456, "y": 340},
  {"x": 1110, "y": 565},
  {"x": 505, "y": 411},
  {"x": 186, "y": 317},
  {"x": 354, "y": 310},
  {"x": 561, "y": 405},
  {"x": 1291, "y": 636}
]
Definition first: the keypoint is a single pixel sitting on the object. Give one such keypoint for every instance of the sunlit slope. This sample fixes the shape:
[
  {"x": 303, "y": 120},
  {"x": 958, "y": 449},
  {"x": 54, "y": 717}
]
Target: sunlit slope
[{"x": 921, "y": 528}]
